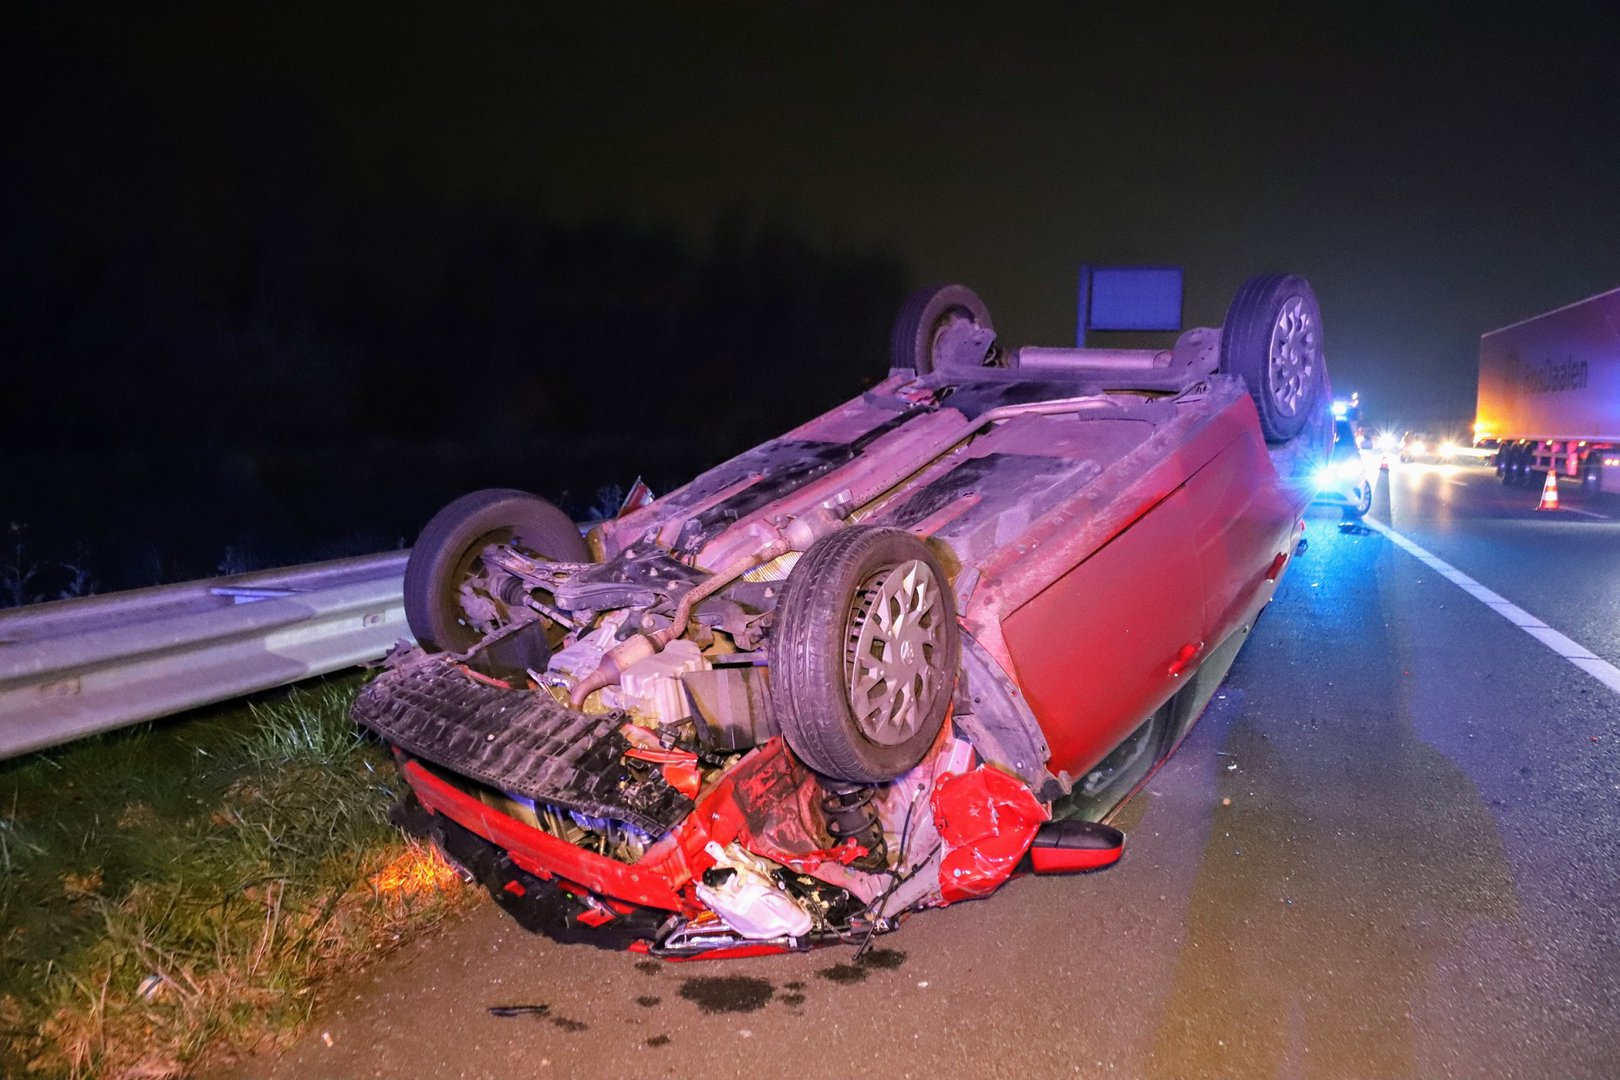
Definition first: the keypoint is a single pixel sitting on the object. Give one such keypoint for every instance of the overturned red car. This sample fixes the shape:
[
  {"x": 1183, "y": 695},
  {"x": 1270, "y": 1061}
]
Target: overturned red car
[{"x": 924, "y": 642}]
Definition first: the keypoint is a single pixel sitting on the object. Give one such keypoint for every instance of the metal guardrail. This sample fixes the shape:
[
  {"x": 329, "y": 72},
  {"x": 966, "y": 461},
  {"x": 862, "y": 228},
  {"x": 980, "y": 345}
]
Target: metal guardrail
[{"x": 76, "y": 667}]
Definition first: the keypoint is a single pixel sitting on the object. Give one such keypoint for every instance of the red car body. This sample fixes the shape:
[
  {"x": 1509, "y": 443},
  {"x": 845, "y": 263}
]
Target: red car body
[{"x": 1107, "y": 527}]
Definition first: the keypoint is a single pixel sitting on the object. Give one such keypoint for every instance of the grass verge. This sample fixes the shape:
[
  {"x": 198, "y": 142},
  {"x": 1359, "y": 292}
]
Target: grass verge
[{"x": 178, "y": 892}]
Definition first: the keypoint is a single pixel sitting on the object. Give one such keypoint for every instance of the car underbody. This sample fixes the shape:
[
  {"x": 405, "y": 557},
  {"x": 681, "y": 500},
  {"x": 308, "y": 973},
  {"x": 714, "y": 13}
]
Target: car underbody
[{"x": 925, "y": 642}]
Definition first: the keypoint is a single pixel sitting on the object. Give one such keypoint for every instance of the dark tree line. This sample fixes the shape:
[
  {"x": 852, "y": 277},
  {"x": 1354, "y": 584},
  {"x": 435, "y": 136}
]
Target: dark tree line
[{"x": 246, "y": 344}]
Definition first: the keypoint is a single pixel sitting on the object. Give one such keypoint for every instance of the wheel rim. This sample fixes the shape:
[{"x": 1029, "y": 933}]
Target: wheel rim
[
  {"x": 953, "y": 332},
  {"x": 1292, "y": 355},
  {"x": 466, "y": 630},
  {"x": 897, "y": 637}
]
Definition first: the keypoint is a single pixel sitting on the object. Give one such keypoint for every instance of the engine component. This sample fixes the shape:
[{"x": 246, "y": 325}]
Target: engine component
[
  {"x": 576, "y": 595},
  {"x": 798, "y": 533},
  {"x": 652, "y": 688},
  {"x": 733, "y": 707},
  {"x": 637, "y": 578}
]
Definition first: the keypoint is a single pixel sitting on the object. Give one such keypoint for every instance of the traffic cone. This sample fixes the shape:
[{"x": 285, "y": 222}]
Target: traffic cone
[{"x": 1549, "y": 492}]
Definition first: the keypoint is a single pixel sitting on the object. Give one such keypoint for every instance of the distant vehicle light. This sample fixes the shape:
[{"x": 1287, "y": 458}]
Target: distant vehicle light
[
  {"x": 1386, "y": 441},
  {"x": 1341, "y": 409},
  {"x": 1417, "y": 447},
  {"x": 1449, "y": 449}
]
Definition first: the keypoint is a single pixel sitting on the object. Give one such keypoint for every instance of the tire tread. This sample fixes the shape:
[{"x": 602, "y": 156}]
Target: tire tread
[{"x": 807, "y": 655}]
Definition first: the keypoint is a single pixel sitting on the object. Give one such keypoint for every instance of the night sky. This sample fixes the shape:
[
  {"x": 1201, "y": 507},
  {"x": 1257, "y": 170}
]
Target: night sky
[{"x": 269, "y": 197}]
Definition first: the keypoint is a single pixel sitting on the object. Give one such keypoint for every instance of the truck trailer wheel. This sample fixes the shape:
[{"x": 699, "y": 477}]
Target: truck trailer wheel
[
  {"x": 449, "y": 554},
  {"x": 1516, "y": 473},
  {"x": 1272, "y": 337},
  {"x": 864, "y": 654}
]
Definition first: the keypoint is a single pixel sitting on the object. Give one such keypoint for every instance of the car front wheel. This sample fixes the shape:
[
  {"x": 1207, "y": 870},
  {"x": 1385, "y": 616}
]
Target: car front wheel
[{"x": 864, "y": 654}]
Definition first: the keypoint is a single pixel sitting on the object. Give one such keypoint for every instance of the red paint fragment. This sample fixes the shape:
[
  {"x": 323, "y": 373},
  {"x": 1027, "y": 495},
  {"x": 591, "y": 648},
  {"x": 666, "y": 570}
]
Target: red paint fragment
[
  {"x": 661, "y": 756},
  {"x": 596, "y": 915},
  {"x": 686, "y": 779}
]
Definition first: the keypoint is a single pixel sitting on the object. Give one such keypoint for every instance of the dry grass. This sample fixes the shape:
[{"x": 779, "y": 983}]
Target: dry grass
[{"x": 184, "y": 892}]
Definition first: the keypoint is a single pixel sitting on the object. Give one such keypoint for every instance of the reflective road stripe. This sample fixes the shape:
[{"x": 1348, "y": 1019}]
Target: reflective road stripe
[{"x": 1573, "y": 651}]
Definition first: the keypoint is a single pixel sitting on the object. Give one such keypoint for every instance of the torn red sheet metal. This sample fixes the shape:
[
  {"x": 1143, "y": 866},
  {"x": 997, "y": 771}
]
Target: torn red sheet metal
[{"x": 986, "y": 820}]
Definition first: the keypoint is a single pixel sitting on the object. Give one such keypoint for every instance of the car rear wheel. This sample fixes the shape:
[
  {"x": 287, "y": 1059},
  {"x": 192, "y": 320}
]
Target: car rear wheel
[
  {"x": 864, "y": 654},
  {"x": 450, "y": 553},
  {"x": 942, "y": 327},
  {"x": 1272, "y": 337}
]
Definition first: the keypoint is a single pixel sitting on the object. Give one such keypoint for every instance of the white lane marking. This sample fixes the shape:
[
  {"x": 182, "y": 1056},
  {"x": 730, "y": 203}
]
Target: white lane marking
[
  {"x": 1588, "y": 513},
  {"x": 1573, "y": 651}
]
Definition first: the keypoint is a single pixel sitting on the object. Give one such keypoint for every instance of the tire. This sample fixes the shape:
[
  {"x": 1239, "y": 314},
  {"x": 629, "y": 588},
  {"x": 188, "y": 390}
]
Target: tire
[
  {"x": 942, "y": 327},
  {"x": 1272, "y": 338},
  {"x": 827, "y": 618},
  {"x": 1358, "y": 509},
  {"x": 449, "y": 550}
]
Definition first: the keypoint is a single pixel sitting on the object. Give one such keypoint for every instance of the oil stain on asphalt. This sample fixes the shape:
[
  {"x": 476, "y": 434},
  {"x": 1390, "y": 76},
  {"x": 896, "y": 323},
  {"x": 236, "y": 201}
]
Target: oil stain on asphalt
[
  {"x": 728, "y": 993},
  {"x": 715, "y": 994},
  {"x": 874, "y": 960}
]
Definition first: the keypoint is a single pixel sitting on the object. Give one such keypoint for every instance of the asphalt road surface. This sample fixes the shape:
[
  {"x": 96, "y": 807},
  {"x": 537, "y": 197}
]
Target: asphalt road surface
[{"x": 1390, "y": 849}]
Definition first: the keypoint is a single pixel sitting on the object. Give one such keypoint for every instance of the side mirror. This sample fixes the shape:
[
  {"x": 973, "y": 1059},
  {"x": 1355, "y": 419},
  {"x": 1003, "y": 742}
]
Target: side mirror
[{"x": 1074, "y": 846}]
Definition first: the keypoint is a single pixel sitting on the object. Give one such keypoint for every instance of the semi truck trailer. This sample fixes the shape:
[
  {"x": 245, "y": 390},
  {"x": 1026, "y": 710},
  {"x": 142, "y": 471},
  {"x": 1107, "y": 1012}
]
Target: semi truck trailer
[{"x": 1549, "y": 396}]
